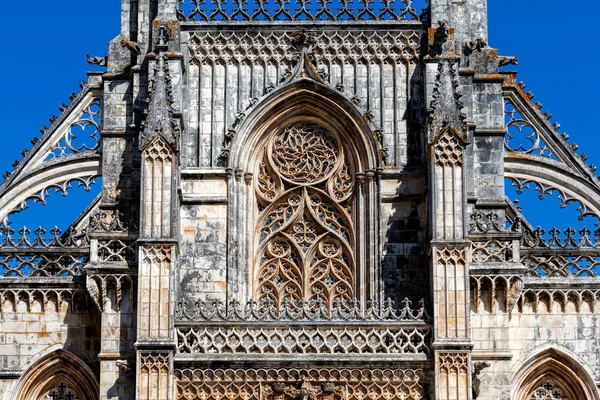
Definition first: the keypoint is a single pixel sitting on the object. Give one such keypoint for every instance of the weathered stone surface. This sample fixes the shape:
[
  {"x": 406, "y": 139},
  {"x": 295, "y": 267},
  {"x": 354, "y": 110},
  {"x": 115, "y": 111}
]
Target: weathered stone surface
[{"x": 301, "y": 203}]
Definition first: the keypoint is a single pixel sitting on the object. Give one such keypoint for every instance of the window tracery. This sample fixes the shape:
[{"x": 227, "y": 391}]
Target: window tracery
[
  {"x": 548, "y": 390},
  {"x": 305, "y": 232},
  {"x": 61, "y": 391}
]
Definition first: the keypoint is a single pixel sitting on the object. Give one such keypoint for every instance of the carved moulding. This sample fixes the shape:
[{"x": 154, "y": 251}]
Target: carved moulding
[
  {"x": 98, "y": 286},
  {"x": 305, "y": 11},
  {"x": 269, "y": 46},
  {"x": 43, "y": 300},
  {"x": 234, "y": 311},
  {"x": 503, "y": 292},
  {"x": 305, "y": 384},
  {"x": 299, "y": 339},
  {"x": 568, "y": 300}
]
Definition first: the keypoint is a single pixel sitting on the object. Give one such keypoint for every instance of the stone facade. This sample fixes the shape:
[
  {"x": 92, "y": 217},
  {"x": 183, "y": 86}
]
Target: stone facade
[{"x": 301, "y": 201}]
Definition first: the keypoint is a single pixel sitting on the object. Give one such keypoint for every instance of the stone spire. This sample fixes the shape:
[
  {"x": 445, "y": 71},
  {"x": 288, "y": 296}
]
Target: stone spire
[{"x": 160, "y": 113}]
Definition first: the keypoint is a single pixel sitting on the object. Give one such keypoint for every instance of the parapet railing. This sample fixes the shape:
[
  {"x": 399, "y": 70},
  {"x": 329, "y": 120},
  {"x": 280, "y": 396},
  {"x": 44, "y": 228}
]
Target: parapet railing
[
  {"x": 40, "y": 255},
  {"x": 302, "y": 10},
  {"x": 215, "y": 330}
]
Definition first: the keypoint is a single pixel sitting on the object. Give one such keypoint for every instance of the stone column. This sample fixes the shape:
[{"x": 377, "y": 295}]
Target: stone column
[
  {"x": 158, "y": 218},
  {"x": 447, "y": 140},
  {"x": 111, "y": 273}
]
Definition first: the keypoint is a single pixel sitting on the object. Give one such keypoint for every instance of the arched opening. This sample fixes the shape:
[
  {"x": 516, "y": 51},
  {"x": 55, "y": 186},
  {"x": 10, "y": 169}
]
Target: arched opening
[
  {"x": 57, "y": 376},
  {"x": 554, "y": 375},
  {"x": 307, "y": 201}
]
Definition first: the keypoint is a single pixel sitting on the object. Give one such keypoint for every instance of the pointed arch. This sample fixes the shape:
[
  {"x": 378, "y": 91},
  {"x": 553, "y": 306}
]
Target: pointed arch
[
  {"x": 318, "y": 108},
  {"x": 305, "y": 98},
  {"x": 57, "y": 367},
  {"x": 552, "y": 367}
]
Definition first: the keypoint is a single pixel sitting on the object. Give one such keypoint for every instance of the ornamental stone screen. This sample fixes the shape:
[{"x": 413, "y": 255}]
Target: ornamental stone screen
[{"x": 304, "y": 200}]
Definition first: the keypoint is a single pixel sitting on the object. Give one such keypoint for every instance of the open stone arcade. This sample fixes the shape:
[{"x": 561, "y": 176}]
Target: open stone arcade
[{"x": 300, "y": 201}]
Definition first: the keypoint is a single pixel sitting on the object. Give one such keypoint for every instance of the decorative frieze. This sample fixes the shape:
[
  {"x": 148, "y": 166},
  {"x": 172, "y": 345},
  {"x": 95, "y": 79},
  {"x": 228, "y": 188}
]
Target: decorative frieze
[
  {"x": 252, "y": 311},
  {"x": 299, "y": 339},
  {"x": 43, "y": 300},
  {"x": 292, "y": 383},
  {"x": 303, "y": 11},
  {"x": 501, "y": 292}
]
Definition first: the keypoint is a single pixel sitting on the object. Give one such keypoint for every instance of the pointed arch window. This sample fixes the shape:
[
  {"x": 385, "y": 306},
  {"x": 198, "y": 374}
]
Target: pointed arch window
[
  {"x": 549, "y": 390},
  {"x": 61, "y": 391},
  {"x": 305, "y": 234}
]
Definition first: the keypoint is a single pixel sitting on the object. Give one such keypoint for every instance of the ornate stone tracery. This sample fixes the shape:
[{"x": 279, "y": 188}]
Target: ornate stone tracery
[
  {"x": 548, "y": 390},
  {"x": 61, "y": 391},
  {"x": 305, "y": 231}
]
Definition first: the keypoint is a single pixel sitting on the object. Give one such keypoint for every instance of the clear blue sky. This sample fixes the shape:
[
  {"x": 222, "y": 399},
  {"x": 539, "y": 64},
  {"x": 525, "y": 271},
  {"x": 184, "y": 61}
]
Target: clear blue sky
[{"x": 47, "y": 41}]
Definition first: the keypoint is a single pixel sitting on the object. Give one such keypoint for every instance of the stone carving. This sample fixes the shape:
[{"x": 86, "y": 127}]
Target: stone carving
[
  {"x": 522, "y": 136},
  {"x": 550, "y": 190},
  {"x": 454, "y": 371},
  {"x": 506, "y": 290},
  {"x": 98, "y": 285},
  {"x": 567, "y": 239},
  {"x": 154, "y": 363},
  {"x": 161, "y": 113},
  {"x": 117, "y": 250},
  {"x": 263, "y": 60},
  {"x": 48, "y": 299},
  {"x": 548, "y": 390},
  {"x": 61, "y": 391},
  {"x": 82, "y": 136},
  {"x": 303, "y": 311},
  {"x": 96, "y": 60},
  {"x": 305, "y": 236},
  {"x": 492, "y": 251},
  {"x": 57, "y": 239},
  {"x": 110, "y": 221},
  {"x": 154, "y": 372},
  {"x": 42, "y": 256},
  {"x": 544, "y": 300},
  {"x": 280, "y": 10},
  {"x": 477, "y": 369},
  {"x": 300, "y": 339},
  {"x": 448, "y": 150},
  {"x": 61, "y": 188},
  {"x": 552, "y": 264},
  {"x": 485, "y": 221},
  {"x": 271, "y": 384}
]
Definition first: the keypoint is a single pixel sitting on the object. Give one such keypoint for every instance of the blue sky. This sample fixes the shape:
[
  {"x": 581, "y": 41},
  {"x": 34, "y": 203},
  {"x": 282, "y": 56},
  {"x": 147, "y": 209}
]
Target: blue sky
[{"x": 44, "y": 62}]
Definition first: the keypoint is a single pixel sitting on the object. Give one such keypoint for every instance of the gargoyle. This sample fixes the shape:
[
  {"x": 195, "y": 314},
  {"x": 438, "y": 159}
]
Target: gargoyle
[
  {"x": 101, "y": 61},
  {"x": 133, "y": 46}
]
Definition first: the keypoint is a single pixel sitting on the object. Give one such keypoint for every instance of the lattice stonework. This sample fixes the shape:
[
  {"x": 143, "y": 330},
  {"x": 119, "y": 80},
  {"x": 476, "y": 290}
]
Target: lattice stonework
[
  {"x": 304, "y": 188},
  {"x": 548, "y": 390},
  {"x": 61, "y": 391},
  {"x": 289, "y": 384}
]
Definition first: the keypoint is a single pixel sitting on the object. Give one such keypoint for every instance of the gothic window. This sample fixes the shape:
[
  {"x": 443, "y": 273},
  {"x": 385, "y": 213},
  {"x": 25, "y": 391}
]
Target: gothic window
[
  {"x": 305, "y": 236},
  {"x": 548, "y": 390},
  {"x": 61, "y": 391}
]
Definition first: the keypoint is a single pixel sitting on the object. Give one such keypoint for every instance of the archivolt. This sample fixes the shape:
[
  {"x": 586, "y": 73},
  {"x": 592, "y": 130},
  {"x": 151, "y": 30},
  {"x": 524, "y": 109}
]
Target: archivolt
[
  {"x": 58, "y": 366},
  {"x": 551, "y": 364},
  {"x": 298, "y": 100}
]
